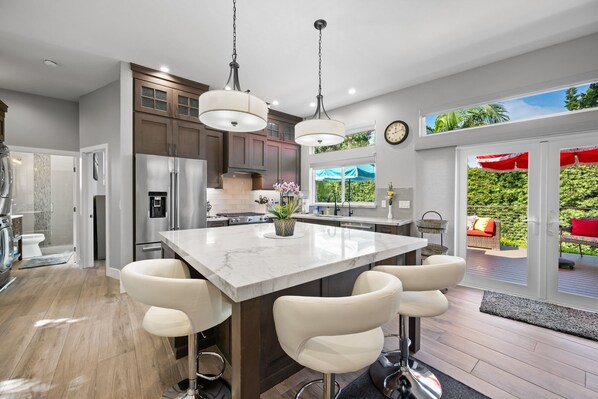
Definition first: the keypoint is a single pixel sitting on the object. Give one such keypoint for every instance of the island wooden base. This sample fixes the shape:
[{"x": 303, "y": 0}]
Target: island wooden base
[{"x": 249, "y": 341}]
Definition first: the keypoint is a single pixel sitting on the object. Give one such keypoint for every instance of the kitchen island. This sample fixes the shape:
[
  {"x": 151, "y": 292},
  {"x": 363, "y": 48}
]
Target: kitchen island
[{"x": 253, "y": 271}]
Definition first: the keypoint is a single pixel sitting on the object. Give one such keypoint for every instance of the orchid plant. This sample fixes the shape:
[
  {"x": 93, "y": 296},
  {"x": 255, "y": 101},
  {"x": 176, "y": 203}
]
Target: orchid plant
[{"x": 286, "y": 210}]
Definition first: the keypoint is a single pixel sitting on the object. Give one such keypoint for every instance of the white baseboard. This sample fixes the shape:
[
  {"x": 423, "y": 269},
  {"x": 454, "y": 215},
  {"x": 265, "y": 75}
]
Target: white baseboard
[{"x": 112, "y": 272}]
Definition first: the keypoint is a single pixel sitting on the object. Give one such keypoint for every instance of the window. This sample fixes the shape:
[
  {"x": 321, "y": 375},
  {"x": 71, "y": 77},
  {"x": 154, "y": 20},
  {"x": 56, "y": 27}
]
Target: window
[
  {"x": 354, "y": 140},
  {"x": 575, "y": 98},
  {"x": 356, "y": 184}
]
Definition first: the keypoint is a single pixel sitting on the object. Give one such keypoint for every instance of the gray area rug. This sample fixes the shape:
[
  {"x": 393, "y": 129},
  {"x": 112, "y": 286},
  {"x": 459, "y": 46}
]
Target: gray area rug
[
  {"x": 363, "y": 388},
  {"x": 559, "y": 318},
  {"x": 46, "y": 260}
]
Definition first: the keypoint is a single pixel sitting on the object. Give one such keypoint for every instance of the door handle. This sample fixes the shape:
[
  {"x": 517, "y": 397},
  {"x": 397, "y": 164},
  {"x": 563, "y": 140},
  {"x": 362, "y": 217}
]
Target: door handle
[
  {"x": 531, "y": 221},
  {"x": 152, "y": 248}
]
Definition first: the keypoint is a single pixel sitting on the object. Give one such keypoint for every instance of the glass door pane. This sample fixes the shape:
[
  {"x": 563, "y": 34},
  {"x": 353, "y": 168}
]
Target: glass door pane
[
  {"x": 572, "y": 222},
  {"x": 498, "y": 228}
]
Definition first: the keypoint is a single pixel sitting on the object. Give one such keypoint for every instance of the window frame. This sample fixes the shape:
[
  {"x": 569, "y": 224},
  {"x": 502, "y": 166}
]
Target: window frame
[
  {"x": 500, "y": 98},
  {"x": 345, "y": 164},
  {"x": 351, "y": 132}
]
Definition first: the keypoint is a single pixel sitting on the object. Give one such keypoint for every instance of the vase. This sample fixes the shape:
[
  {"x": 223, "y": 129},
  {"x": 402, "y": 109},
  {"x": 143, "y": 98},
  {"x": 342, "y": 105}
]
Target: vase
[
  {"x": 284, "y": 227},
  {"x": 389, "y": 212}
]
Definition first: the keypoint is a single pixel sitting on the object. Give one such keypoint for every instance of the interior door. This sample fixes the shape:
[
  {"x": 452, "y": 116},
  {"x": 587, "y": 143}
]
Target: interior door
[{"x": 493, "y": 262}]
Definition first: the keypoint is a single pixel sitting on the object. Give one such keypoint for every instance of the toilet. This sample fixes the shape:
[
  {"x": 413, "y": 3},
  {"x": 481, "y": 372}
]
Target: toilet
[{"x": 31, "y": 245}]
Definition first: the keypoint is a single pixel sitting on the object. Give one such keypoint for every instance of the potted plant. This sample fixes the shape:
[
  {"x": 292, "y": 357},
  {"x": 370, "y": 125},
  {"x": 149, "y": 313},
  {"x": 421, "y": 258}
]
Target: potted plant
[{"x": 284, "y": 224}]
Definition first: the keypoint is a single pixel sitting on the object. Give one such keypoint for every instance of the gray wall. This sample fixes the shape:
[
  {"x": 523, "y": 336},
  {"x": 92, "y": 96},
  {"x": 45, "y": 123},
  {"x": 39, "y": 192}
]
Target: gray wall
[
  {"x": 99, "y": 123},
  {"x": 41, "y": 122},
  {"x": 428, "y": 163}
]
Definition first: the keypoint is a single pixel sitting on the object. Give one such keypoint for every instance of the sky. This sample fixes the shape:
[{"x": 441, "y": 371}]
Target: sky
[{"x": 532, "y": 106}]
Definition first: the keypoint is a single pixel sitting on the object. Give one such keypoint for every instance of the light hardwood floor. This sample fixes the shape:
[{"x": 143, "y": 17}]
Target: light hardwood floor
[{"x": 68, "y": 333}]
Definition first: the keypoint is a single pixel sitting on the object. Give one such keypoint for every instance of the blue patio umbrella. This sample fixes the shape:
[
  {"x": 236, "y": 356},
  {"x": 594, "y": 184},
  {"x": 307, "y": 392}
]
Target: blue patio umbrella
[{"x": 364, "y": 172}]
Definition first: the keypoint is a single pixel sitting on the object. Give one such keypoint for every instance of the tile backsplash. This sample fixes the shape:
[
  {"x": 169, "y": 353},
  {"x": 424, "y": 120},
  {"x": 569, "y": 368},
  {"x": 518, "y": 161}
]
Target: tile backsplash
[{"x": 236, "y": 195}]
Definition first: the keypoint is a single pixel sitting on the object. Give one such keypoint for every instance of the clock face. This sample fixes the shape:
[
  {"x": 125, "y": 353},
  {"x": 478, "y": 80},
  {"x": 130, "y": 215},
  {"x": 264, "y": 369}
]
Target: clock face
[{"x": 396, "y": 132}]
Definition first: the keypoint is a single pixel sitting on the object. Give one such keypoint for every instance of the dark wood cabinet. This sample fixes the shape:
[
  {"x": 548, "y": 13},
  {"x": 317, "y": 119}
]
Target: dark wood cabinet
[
  {"x": 187, "y": 139},
  {"x": 158, "y": 135},
  {"x": 212, "y": 151},
  {"x": 186, "y": 105},
  {"x": 290, "y": 163},
  {"x": 245, "y": 152},
  {"x": 152, "y": 134},
  {"x": 153, "y": 98},
  {"x": 282, "y": 163},
  {"x": 272, "y": 174},
  {"x": 281, "y": 126},
  {"x": 3, "y": 110},
  {"x": 404, "y": 230}
]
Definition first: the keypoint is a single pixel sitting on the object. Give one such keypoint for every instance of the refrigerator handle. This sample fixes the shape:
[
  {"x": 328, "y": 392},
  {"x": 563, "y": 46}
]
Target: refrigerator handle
[
  {"x": 178, "y": 216},
  {"x": 171, "y": 202}
]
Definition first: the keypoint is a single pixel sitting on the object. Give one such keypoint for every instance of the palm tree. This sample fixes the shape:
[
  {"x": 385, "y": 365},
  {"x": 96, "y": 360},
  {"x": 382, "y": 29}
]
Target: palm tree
[{"x": 480, "y": 115}]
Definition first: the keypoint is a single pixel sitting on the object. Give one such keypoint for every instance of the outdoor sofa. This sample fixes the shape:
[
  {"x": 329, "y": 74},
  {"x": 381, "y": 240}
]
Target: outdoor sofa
[{"x": 489, "y": 238}]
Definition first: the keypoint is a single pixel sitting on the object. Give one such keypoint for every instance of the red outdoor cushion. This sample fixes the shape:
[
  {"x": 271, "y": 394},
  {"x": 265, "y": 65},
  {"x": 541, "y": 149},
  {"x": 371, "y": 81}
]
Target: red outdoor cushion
[
  {"x": 490, "y": 227},
  {"x": 478, "y": 233},
  {"x": 584, "y": 227}
]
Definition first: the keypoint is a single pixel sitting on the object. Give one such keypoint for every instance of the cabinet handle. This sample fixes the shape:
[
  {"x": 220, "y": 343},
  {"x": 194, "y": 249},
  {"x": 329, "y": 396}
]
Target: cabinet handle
[{"x": 168, "y": 149}]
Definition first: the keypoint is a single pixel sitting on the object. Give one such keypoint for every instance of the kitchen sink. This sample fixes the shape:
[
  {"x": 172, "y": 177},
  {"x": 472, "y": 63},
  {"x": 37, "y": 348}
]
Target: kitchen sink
[{"x": 330, "y": 216}]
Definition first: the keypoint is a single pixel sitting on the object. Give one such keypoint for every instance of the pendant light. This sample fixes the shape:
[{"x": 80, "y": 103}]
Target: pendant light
[
  {"x": 319, "y": 131},
  {"x": 232, "y": 109}
]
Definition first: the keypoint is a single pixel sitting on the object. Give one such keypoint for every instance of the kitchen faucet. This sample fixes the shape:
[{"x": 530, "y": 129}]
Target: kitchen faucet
[
  {"x": 348, "y": 202},
  {"x": 336, "y": 208}
]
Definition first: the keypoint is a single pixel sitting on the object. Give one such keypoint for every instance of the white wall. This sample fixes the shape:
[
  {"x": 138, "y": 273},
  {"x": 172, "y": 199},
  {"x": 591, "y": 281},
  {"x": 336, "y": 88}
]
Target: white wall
[
  {"x": 41, "y": 122},
  {"x": 430, "y": 170},
  {"x": 99, "y": 124}
]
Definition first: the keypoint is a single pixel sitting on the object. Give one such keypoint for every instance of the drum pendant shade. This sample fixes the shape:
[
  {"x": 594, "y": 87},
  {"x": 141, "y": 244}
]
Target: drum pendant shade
[
  {"x": 233, "y": 111},
  {"x": 319, "y": 132}
]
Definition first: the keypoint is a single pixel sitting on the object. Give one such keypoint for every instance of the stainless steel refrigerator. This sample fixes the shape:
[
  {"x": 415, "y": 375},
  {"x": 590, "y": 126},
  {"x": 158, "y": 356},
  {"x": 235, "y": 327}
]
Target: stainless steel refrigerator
[{"x": 170, "y": 194}]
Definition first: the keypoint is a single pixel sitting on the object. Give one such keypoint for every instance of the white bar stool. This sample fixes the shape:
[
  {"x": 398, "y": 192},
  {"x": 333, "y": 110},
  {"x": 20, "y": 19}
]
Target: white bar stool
[
  {"x": 337, "y": 335},
  {"x": 180, "y": 306},
  {"x": 408, "y": 378}
]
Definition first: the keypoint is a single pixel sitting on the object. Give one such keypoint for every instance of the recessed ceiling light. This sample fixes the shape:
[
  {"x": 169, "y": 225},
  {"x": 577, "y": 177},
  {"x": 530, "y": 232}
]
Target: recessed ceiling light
[
  {"x": 312, "y": 104},
  {"x": 50, "y": 63},
  {"x": 351, "y": 91},
  {"x": 164, "y": 69},
  {"x": 275, "y": 102}
]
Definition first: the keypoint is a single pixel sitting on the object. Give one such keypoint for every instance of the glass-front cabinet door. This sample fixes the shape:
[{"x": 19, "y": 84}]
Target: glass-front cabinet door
[
  {"x": 153, "y": 98},
  {"x": 187, "y": 105}
]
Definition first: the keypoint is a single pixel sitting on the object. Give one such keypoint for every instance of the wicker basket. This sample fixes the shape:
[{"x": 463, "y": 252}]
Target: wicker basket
[
  {"x": 432, "y": 226},
  {"x": 434, "y": 249}
]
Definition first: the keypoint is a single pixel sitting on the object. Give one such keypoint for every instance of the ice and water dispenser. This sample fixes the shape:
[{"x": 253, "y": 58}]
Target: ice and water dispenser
[{"x": 157, "y": 204}]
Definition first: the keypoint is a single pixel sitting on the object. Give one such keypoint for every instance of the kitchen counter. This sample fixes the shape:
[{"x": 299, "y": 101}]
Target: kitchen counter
[
  {"x": 15, "y": 216},
  {"x": 358, "y": 219},
  {"x": 244, "y": 264},
  {"x": 253, "y": 271}
]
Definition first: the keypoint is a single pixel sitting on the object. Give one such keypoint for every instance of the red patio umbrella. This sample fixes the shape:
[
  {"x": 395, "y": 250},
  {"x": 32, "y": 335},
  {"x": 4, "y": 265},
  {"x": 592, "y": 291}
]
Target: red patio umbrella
[{"x": 519, "y": 160}]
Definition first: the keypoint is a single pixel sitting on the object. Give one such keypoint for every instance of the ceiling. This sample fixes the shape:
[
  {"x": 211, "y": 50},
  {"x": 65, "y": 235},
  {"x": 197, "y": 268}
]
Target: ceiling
[{"x": 374, "y": 47}]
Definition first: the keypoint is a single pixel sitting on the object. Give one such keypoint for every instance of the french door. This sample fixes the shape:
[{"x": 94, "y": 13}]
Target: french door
[{"x": 521, "y": 193}]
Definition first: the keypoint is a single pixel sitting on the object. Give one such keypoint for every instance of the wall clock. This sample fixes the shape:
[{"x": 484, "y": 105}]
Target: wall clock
[{"x": 396, "y": 132}]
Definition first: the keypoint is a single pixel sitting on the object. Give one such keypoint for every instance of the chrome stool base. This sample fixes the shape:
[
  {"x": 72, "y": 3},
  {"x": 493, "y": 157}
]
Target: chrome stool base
[
  {"x": 217, "y": 389},
  {"x": 320, "y": 381},
  {"x": 211, "y": 377},
  {"x": 413, "y": 382}
]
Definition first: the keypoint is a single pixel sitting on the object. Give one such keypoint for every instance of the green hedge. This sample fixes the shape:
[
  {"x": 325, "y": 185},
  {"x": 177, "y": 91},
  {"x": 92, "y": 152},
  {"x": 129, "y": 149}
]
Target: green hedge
[{"x": 504, "y": 196}]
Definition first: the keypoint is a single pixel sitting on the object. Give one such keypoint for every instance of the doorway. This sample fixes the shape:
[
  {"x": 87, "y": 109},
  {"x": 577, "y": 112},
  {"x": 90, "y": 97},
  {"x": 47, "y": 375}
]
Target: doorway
[
  {"x": 43, "y": 195},
  {"x": 95, "y": 196},
  {"x": 530, "y": 191}
]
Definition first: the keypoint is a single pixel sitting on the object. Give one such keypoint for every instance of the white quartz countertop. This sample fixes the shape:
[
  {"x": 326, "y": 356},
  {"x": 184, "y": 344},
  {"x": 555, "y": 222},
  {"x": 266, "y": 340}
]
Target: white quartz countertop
[
  {"x": 244, "y": 264},
  {"x": 356, "y": 219}
]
